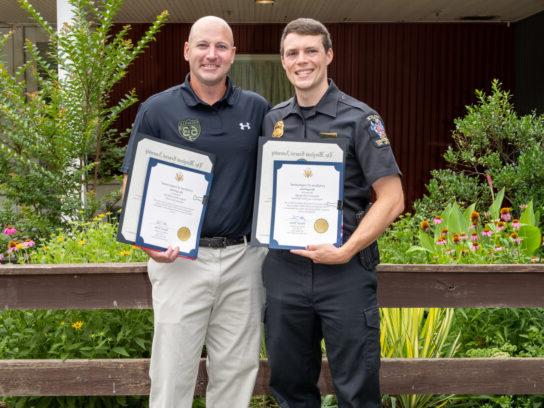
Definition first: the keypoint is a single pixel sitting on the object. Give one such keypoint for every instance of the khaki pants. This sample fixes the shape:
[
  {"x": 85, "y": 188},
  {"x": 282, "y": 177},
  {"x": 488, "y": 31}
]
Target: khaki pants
[{"x": 214, "y": 300}]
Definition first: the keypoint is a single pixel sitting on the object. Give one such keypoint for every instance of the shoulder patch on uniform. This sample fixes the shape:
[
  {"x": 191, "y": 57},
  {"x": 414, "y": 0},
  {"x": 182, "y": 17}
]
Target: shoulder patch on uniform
[
  {"x": 282, "y": 104},
  {"x": 377, "y": 131}
]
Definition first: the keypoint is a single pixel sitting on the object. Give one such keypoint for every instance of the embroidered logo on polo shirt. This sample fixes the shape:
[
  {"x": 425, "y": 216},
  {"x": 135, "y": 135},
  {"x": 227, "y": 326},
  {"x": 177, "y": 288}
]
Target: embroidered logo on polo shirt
[
  {"x": 245, "y": 126},
  {"x": 377, "y": 131},
  {"x": 189, "y": 129}
]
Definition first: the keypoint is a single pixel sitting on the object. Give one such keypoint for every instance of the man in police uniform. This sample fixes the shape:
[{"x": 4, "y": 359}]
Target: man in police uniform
[
  {"x": 216, "y": 299},
  {"x": 327, "y": 291}
]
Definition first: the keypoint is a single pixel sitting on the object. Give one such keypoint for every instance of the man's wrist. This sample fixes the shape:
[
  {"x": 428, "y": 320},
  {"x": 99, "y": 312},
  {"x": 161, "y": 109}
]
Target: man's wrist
[{"x": 346, "y": 252}]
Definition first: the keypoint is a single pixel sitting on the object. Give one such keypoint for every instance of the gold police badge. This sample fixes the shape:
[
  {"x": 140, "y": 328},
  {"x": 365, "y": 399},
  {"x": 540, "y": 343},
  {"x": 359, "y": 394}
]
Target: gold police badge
[{"x": 278, "y": 129}]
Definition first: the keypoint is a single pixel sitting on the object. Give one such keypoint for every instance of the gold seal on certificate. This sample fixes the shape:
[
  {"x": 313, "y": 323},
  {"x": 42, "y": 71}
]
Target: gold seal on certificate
[
  {"x": 184, "y": 233},
  {"x": 321, "y": 225}
]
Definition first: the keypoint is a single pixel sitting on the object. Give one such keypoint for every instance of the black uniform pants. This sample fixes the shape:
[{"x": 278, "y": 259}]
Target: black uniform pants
[{"x": 306, "y": 302}]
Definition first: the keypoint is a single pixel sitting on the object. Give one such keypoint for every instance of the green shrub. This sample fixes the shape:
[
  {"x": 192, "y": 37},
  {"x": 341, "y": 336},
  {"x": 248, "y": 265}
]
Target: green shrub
[
  {"x": 87, "y": 242},
  {"x": 493, "y": 149}
]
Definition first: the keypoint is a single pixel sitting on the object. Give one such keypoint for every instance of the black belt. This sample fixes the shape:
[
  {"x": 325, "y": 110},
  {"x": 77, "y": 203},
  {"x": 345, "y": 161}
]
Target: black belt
[{"x": 221, "y": 242}]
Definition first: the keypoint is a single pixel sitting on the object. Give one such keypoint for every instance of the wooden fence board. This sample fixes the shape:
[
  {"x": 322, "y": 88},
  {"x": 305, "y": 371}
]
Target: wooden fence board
[
  {"x": 109, "y": 286},
  {"x": 398, "y": 376}
]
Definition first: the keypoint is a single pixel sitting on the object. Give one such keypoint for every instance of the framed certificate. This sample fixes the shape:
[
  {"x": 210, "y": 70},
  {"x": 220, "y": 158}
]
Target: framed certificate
[
  {"x": 147, "y": 148},
  {"x": 173, "y": 207},
  {"x": 306, "y": 204},
  {"x": 274, "y": 150}
]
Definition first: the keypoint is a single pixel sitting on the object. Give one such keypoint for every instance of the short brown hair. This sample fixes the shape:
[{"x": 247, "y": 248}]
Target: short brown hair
[{"x": 307, "y": 26}]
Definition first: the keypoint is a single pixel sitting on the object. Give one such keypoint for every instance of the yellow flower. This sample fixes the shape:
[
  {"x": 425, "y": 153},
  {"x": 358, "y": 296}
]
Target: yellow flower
[
  {"x": 125, "y": 252},
  {"x": 77, "y": 325},
  {"x": 60, "y": 238},
  {"x": 82, "y": 242},
  {"x": 19, "y": 246}
]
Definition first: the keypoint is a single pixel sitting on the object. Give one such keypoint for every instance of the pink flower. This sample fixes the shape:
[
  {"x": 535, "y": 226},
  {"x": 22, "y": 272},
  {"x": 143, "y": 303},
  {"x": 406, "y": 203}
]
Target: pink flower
[
  {"x": 516, "y": 238},
  {"x": 9, "y": 230},
  {"x": 474, "y": 246},
  {"x": 441, "y": 240},
  {"x": 489, "y": 181},
  {"x": 487, "y": 232},
  {"x": 437, "y": 220},
  {"x": 1, "y": 257},
  {"x": 505, "y": 214},
  {"x": 515, "y": 223},
  {"x": 498, "y": 249},
  {"x": 474, "y": 237},
  {"x": 29, "y": 243},
  {"x": 463, "y": 236},
  {"x": 500, "y": 225}
]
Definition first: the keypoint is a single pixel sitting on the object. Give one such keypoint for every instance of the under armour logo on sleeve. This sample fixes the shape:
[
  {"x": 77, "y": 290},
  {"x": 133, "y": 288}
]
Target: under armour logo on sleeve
[{"x": 245, "y": 126}]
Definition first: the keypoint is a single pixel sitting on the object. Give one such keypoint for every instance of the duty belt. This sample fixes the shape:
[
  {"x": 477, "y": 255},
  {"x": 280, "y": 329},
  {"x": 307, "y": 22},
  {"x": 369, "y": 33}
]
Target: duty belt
[{"x": 221, "y": 242}]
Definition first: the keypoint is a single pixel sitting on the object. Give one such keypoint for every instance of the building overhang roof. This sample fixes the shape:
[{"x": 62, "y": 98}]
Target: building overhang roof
[{"x": 327, "y": 11}]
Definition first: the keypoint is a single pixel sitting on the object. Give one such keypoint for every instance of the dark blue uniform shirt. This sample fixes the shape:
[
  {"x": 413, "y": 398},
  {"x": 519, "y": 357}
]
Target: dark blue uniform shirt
[
  {"x": 337, "y": 115},
  {"x": 229, "y": 129}
]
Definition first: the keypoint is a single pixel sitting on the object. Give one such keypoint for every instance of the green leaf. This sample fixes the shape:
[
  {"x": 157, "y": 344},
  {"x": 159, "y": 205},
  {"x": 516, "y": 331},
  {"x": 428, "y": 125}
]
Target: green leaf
[
  {"x": 528, "y": 215},
  {"x": 531, "y": 239},
  {"x": 426, "y": 241},
  {"x": 121, "y": 351},
  {"x": 140, "y": 342},
  {"x": 454, "y": 221},
  {"x": 495, "y": 208},
  {"x": 417, "y": 248},
  {"x": 466, "y": 221}
]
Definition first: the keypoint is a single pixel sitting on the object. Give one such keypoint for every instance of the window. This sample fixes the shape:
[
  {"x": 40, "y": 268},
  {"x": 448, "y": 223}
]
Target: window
[{"x": 262, "y": 73}]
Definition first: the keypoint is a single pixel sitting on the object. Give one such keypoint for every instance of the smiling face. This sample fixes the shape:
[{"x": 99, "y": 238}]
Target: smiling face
[
  {"x": 305, "y": 62},
  {"x": 210, "y": 51}
]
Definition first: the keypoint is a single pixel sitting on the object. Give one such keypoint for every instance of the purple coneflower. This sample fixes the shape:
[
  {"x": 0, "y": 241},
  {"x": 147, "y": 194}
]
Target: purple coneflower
[
  {"x": 9, "y": 230},
  {"x": 505, "y": 214},
  {"x": 516, "y": 238}
]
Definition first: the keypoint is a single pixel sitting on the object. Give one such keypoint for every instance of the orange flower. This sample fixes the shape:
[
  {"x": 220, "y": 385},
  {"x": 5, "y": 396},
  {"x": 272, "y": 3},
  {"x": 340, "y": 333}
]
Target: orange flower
[{"x": 425, "y": 225}]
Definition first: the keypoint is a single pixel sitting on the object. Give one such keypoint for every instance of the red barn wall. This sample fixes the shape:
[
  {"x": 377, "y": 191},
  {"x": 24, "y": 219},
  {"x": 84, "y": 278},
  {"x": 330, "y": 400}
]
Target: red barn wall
[{"x": 419, "y": 77}]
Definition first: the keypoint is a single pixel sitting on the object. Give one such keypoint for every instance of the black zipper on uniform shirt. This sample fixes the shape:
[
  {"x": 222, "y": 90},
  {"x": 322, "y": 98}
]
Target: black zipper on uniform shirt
[{"x": 304, "y": 126}]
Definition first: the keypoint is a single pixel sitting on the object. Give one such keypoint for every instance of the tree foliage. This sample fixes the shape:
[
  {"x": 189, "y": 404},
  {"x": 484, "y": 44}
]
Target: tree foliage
[{"x": 47, "y": 135}]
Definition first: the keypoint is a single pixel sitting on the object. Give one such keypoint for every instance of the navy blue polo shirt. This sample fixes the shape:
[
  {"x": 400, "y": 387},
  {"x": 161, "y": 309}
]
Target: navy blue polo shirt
[
  {"x": 229, "y": 129},
  {"x": 337, "y": 115}
]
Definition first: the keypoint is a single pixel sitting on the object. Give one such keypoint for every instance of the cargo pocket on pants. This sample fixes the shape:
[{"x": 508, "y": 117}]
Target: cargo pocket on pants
[{"x": 372, "y": 344}]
